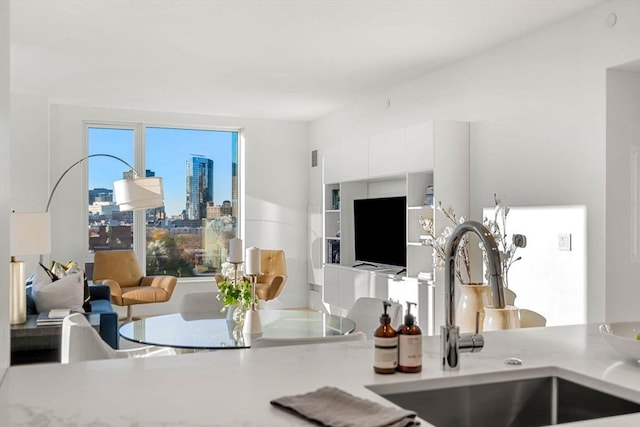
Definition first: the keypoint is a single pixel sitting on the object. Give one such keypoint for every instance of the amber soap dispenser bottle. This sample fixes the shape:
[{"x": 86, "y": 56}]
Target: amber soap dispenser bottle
[
  {"x": 409, "y": 344},
  {"x": 386, "y": 344}
]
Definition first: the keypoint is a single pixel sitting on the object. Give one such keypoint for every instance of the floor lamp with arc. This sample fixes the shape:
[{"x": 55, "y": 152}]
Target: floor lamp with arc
[{"x": 131, "y": 193}]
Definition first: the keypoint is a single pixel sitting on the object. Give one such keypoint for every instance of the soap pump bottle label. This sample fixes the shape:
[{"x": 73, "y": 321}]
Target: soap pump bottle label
[
  {"x": 386, "y": 353},
  {"x": 410, "y": 353}
]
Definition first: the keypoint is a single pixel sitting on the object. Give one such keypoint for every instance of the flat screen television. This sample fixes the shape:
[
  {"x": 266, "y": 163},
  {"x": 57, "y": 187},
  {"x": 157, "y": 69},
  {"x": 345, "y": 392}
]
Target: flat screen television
[{"x": 380, "y": 230}]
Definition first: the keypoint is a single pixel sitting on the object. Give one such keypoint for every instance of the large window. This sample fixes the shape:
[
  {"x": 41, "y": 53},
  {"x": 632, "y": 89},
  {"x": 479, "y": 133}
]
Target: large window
[{"x": 189, "y": 235}]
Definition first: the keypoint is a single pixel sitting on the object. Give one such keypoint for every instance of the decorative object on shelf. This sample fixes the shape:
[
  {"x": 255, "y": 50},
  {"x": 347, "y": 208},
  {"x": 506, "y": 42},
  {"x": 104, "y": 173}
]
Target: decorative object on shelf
[
  {"x": 427, "y": 225},
  {"x": 335, "y": 199},
  {"x": 30, "y": 234},
  {"x": 438, "y": 244},
  {"x": 428, "y": 199},
  {"x": 333, "y": 251},
  {"x": 498, "y": 227}
]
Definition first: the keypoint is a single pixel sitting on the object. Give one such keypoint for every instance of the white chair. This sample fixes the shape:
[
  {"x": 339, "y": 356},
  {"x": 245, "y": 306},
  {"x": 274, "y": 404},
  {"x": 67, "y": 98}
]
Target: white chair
[
  {"x": 531, "y": 319},
  {"x": 279, "y": 342},
  {"x": 201, "y": 305},
  {"x": 80, "y": 342},
  {"x": 366, "y": 313}
]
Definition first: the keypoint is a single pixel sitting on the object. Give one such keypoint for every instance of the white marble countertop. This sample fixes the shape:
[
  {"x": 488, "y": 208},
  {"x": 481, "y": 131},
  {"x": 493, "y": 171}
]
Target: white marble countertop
[{"x": 234, "y": 387}]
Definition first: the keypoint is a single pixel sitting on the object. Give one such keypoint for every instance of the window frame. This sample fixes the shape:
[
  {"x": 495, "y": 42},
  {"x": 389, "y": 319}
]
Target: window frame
[{"x": 139, "y": 163}]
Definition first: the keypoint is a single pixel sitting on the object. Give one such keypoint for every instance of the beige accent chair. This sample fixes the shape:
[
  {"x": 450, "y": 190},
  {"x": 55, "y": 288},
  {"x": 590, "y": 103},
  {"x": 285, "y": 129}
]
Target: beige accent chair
[
  {"x": 269, "y": 284},
  {"x": 531, "y": 319},
  {"x": 121, "y": 272}
]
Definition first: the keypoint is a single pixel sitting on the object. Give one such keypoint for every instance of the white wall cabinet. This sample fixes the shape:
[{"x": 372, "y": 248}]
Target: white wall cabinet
[
  {"x": 387, "y": 154},
  {"x": 403, "y": 162},
  {"x": 354, "y": 160}
]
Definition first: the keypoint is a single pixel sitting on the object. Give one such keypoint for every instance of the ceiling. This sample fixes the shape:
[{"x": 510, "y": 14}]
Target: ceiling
[{"x": 288, "y": 59}]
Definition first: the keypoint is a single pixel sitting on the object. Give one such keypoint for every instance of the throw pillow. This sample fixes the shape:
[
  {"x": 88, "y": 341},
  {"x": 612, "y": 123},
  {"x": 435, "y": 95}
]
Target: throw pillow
[
  {"x": 66, "y": 292},
  {"x": 72, "y": 267},
  {"x": 42, "y": 276}
]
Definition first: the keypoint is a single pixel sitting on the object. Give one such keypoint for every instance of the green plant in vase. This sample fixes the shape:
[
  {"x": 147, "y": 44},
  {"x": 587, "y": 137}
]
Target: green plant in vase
[{"x": 234, "y": 291}]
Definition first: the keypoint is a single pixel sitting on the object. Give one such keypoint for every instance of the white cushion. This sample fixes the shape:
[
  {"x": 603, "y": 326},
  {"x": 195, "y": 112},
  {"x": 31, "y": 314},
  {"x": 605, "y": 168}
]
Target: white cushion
[
  {"x": 40, "y": 277},
  {"x": 66, "y": 292}
]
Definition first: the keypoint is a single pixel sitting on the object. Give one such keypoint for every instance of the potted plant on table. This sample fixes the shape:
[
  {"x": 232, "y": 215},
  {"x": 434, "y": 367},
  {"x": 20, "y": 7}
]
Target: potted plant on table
[{"x": 235, "y": 291}]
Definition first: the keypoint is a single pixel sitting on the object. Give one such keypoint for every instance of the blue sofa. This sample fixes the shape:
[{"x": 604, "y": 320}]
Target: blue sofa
[{"x": 100, "y": 303}]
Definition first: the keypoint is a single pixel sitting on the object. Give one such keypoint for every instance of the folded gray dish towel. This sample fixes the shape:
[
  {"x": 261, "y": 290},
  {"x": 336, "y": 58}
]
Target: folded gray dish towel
[{"x": 330, "y": 406}]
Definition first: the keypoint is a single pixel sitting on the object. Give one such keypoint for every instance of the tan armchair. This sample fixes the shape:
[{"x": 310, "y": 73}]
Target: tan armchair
[
  {"x": 274, "y": 274},
  {"x": 121, "y": 272}
]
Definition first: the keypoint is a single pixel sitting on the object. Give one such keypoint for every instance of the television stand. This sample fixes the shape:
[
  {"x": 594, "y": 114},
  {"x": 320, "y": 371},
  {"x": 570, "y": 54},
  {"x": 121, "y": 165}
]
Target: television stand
[{"x": 361, "y": 264}]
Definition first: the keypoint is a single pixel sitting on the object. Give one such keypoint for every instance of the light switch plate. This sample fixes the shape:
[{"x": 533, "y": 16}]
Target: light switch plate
[{"x": 564, "y": 242}]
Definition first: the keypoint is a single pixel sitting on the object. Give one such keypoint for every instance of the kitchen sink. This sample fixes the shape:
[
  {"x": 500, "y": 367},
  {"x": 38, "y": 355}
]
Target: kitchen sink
[{"x": 528, "y": 398}]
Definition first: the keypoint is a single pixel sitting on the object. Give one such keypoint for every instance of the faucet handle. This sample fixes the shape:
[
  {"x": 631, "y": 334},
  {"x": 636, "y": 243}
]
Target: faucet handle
[{"x": 471, "y": 343}]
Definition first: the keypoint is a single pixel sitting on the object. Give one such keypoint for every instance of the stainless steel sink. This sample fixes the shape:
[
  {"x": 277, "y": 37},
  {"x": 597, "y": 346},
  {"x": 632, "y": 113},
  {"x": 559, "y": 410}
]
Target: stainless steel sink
[{"x": 534, "y": 398}]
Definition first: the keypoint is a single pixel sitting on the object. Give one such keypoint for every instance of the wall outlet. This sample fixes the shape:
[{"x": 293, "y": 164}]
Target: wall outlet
[{"x": 564, "y": 242}]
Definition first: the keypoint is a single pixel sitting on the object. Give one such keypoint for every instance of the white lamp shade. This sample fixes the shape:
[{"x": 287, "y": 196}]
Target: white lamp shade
[
  {"x": 30, "y": 233},
  {"x": 138, "y": 193}
]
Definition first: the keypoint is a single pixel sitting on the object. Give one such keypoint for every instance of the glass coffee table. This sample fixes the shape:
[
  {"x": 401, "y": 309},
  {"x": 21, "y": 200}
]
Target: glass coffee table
[{"x": 203, "y": 331}]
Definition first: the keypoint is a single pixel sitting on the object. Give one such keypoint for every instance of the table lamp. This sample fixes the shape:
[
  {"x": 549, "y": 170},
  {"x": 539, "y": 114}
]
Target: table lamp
[{"x": 30, "y": 234}]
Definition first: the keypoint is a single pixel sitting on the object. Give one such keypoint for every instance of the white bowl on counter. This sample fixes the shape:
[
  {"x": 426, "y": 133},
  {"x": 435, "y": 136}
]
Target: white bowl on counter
[{"x": 623, "y": 337}]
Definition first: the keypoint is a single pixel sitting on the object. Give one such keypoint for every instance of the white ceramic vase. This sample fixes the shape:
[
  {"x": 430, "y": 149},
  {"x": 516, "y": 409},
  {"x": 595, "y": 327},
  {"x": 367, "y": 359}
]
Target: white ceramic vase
[
  {"x": 501, "y": 318},
  {"x": 473, "y": 299}
]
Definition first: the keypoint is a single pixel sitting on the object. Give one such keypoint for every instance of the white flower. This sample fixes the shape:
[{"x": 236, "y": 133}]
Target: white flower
[
  {"x": 498, "y": 228},
  {"x": 438, "y": 244}
]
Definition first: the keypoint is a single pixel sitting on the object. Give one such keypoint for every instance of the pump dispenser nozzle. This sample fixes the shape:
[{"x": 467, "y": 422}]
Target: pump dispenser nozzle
[
  {"x": 385, "y": 319},
  {"x": 409, "y": 319}
]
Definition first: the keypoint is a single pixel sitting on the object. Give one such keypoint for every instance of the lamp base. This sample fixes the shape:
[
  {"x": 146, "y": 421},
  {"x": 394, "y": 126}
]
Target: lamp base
[{"x": 17, "y": 293}]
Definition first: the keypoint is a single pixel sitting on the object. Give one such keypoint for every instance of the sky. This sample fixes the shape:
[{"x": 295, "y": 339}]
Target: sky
[{"x": 167, "y": 152}]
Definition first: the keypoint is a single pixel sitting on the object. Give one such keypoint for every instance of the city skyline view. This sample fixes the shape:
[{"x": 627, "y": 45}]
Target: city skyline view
[{"x": 168, "y": 151}]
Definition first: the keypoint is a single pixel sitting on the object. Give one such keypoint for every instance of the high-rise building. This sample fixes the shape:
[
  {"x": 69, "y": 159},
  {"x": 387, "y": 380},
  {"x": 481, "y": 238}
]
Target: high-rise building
[
  {"x": 100, "y": 195},
  {"x": 199, "y": 186},
  {"x": 234, "y": 173}
]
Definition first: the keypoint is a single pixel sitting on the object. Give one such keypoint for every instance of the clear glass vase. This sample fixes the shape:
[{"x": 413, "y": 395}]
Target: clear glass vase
[{"x": 238, "y": 315}]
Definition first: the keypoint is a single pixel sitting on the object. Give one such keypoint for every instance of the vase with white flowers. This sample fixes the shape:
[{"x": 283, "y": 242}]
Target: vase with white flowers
[
  {"x": 463, "y": 264},
  {"x": 473, "y": 297},
  {"x": 507, "y": 245}
]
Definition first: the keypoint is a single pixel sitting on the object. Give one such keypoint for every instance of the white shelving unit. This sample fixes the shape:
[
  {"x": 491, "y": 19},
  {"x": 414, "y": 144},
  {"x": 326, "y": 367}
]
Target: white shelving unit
[{"x": 402, "y": 162}]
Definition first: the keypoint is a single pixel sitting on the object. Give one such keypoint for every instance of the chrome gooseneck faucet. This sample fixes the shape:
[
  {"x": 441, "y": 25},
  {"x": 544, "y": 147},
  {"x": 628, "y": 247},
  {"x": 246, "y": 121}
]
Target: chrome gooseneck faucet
[{"x": 452, "y": 342}]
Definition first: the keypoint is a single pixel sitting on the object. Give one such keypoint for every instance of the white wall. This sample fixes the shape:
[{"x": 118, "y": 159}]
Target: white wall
[
  {"x": 276, "y": 156},
  {"x": 5, "y": 188},
  {"x": 623, "y": 223},
  {"x": 548, "y": 280},
  {"x": 537, "y": 112}
]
